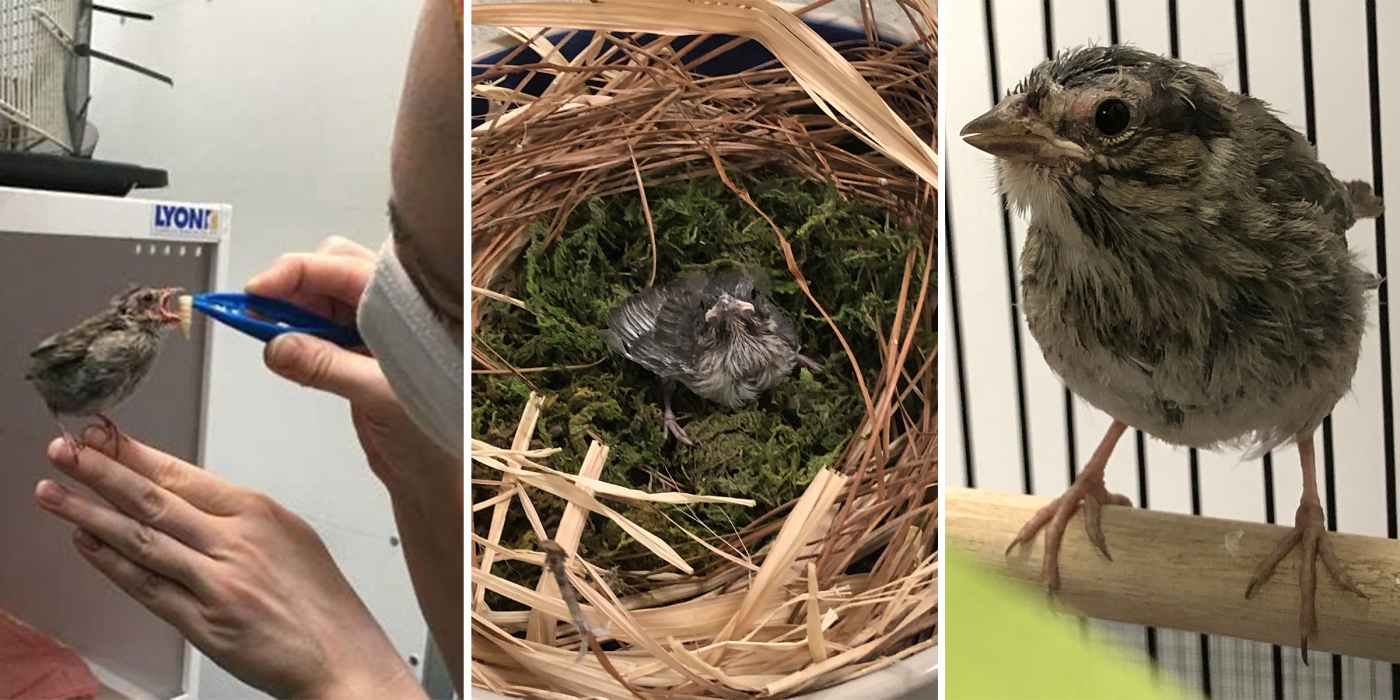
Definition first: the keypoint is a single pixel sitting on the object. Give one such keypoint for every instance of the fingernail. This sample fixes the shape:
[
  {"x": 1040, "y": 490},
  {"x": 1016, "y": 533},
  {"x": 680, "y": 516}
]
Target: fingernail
[
  {"x": 59, "y": 453},
  {"x": 275, "y": 354},
  {"x": 87, "y": 541},
  {"x": 94, "y": 436},
  {"x": 254, "y": 281},
  {"x": 50, "y": 493},
  {"x": 282, "y": 351}
]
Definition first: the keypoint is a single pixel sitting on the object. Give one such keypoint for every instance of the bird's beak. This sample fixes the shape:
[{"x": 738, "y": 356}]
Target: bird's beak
[
  {"x": 1010, "y": 131},
  {"x": 163, "y": 310},
  {"x": 727, "y": 306}
]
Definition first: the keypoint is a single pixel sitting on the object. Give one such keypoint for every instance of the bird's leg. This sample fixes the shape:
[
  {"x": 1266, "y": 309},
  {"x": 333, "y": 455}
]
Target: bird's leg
[
  {"x": 668, "y": 386},
  {"x": 809, "y": 363},
  {"x": 1088, "y": 489},
  {"x": 113, "y": 433},
  {"x": 1309, "y": 528}
]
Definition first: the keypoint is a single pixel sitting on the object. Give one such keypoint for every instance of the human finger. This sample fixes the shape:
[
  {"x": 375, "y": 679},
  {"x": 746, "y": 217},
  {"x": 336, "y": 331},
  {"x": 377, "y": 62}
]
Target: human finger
[
  {"x": 343, "y": 313},
  {"x": 338, "y": 310},
  {"x": 195, "y": 486},
  {"x": 339, "y": 245},
  {"x": 169, "y": 600},
  {"x": 339, "y": 277},
  {"x": 140, "y": 543},
  {"x": 137, "y": 496},
  {"x": 316, "y": 363}
]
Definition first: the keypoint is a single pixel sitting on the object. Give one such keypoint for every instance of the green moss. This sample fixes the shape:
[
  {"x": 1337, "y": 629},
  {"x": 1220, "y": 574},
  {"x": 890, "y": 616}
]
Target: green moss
[{"x": 852, "y": 255}]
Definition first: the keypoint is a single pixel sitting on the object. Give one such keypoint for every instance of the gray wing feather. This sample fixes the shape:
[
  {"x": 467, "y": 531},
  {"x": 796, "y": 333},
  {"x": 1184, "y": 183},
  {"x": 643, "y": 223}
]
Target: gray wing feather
[
  {"x": 783, "y": 329},
  {"x": 632, "y": 333},
  {"x": 636, "y": 316}
]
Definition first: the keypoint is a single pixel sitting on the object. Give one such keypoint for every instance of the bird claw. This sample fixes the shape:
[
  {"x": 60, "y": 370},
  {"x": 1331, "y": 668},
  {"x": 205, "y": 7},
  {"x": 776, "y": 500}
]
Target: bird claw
[
  {"x": 1310, "y": 531},
  {"x": 75, "y": 446},
  {"x": 112, "y": 434},
  {"x": 671, "y": 427},
  {"x": 1090, "y": 492},
  {"x": 809, "y": 363}
]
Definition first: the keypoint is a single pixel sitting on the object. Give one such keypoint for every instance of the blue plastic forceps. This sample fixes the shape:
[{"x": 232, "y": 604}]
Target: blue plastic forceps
[{"x": 265, "y": 318}]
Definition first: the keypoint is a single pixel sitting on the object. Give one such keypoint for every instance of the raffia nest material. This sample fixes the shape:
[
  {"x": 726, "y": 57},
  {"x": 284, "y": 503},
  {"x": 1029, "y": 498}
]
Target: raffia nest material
[{"x": 630, "y": 111}]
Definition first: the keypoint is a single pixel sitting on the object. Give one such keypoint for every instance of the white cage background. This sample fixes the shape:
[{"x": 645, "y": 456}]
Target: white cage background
[
  {"x": 1332, "y": 70},
  {"x": 36, "y": 38}
]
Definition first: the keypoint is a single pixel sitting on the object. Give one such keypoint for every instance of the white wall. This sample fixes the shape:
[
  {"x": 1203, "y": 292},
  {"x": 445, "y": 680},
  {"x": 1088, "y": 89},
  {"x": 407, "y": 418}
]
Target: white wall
[
  {"x": 984, "y": 433},
  {"x": 284, "y": 110}
]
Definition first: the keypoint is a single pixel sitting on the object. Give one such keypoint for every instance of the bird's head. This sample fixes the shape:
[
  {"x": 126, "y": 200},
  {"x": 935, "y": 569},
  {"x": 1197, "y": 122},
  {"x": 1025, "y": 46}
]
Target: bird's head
[
  {"x": 1114, "y": 110},
  {"x": 150, "y": 305},
  {"x": 734, "y": 304}
]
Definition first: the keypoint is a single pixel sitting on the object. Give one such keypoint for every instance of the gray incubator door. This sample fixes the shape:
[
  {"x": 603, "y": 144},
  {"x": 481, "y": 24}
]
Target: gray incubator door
[{"x": 48, "y": 283}]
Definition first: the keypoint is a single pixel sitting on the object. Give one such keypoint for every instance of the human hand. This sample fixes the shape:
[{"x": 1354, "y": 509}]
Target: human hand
[
  {"x": 330, "y": 282},
  {"x": 246, "y": 581},
  {"x": 424, "y": 481}
]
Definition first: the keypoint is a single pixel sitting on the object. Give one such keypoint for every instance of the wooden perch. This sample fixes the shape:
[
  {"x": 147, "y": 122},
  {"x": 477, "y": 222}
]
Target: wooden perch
[{"x": 1189, "y": 573}]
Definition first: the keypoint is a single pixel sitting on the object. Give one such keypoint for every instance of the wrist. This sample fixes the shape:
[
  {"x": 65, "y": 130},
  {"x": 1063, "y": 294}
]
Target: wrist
[
  {"x": 432, "y": 512},
  {"x": 409, "y": 464},
  {"x": 420, "y": 483},
  {"x": 395, "y": 684}
]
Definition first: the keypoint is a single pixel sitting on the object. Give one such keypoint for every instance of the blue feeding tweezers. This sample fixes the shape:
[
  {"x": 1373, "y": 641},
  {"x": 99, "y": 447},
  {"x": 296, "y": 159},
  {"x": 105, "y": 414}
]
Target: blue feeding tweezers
[{"x": 265, "y": 318}]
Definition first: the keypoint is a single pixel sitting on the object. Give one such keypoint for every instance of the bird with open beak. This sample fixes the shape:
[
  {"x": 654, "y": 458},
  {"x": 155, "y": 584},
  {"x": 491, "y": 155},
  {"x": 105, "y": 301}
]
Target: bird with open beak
[
  {"x": 718, "y": 334},
  {"x": 1186, "y": 271},
  {"x": 94, "y": 366}
]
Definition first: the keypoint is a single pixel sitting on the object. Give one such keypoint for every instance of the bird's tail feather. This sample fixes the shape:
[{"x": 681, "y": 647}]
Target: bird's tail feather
[
  {"x": 1364, "y": 199},
  {"x": 1260, "y": 442}
]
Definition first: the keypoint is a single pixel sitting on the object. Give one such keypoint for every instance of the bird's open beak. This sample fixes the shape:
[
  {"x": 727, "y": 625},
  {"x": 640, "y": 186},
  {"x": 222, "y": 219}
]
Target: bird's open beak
[
  {"x": 1010, "y": 131},
  {"x": 727, "y": 306},
  {"x": 163, "y": 310}
]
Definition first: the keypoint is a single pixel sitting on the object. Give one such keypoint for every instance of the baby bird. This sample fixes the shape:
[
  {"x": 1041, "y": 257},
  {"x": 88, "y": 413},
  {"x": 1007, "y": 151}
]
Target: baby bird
[
  {"x": 94, "y": 366},
  {"x": 1186, "y": 271},
  {"x": 718, "y": 335}
]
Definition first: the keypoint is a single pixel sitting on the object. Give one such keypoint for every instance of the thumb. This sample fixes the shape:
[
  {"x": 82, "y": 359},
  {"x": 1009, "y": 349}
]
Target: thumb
[{"x": 310, "y": 361}]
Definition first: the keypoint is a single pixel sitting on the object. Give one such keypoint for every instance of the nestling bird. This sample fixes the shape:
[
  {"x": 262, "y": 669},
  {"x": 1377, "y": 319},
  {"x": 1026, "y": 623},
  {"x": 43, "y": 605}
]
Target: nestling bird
[
  {"x": 1186, "y": 271},
  {"x": 94, "y": 366},
  {"x": 717, "y": 334}
]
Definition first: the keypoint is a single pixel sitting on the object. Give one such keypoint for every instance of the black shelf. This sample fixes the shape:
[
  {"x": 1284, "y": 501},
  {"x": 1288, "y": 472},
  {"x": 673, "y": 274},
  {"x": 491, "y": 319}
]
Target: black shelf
[{"x": 81, "y": 175}]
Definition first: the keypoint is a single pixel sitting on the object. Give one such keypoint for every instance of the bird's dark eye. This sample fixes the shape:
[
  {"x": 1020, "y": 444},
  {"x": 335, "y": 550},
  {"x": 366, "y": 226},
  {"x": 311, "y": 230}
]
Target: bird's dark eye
[
  {"x": 753, "y": 295},
  {"x": 1112, "y": 117}
]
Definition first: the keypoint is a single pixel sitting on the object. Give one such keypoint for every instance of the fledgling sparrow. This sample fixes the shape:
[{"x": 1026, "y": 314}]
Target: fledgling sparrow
[
  {"x": 1186, "y": 271},
  {"x": 94, "y": 366},
  {"x": 719, "y": 335}
]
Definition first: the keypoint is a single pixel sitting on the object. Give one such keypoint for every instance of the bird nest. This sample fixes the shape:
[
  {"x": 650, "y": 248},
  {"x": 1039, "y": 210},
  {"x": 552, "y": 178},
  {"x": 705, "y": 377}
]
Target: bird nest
[{"x": 595, "y": 152}]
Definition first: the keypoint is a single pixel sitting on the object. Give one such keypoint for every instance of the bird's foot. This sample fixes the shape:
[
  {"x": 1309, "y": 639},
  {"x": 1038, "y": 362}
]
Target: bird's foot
[
  {"x": 668, "y": 422},
  {"x": 111, "y": 433},
  {"x": 1088, "y": 490},
  {"x": 74, "y": 444},
  {"x": 809, "y": 363},
  {"x": 1310, "y": 530}
]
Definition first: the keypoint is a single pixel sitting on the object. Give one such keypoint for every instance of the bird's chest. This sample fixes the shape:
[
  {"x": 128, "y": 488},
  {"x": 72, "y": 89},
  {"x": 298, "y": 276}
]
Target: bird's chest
[
  {"x": 740, "y": 369},
  {"x": 1187, "y": 350},
  {"x": 1091, "y": 330},
  {"x": 1140, "y": 341}
]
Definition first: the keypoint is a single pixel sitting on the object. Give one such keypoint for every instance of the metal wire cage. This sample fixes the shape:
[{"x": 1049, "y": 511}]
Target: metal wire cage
[{"x": 43, "y": 79}]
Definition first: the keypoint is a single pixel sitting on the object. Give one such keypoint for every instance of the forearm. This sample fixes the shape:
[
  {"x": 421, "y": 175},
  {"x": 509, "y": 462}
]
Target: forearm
[{"x": 430, "y": 522}]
